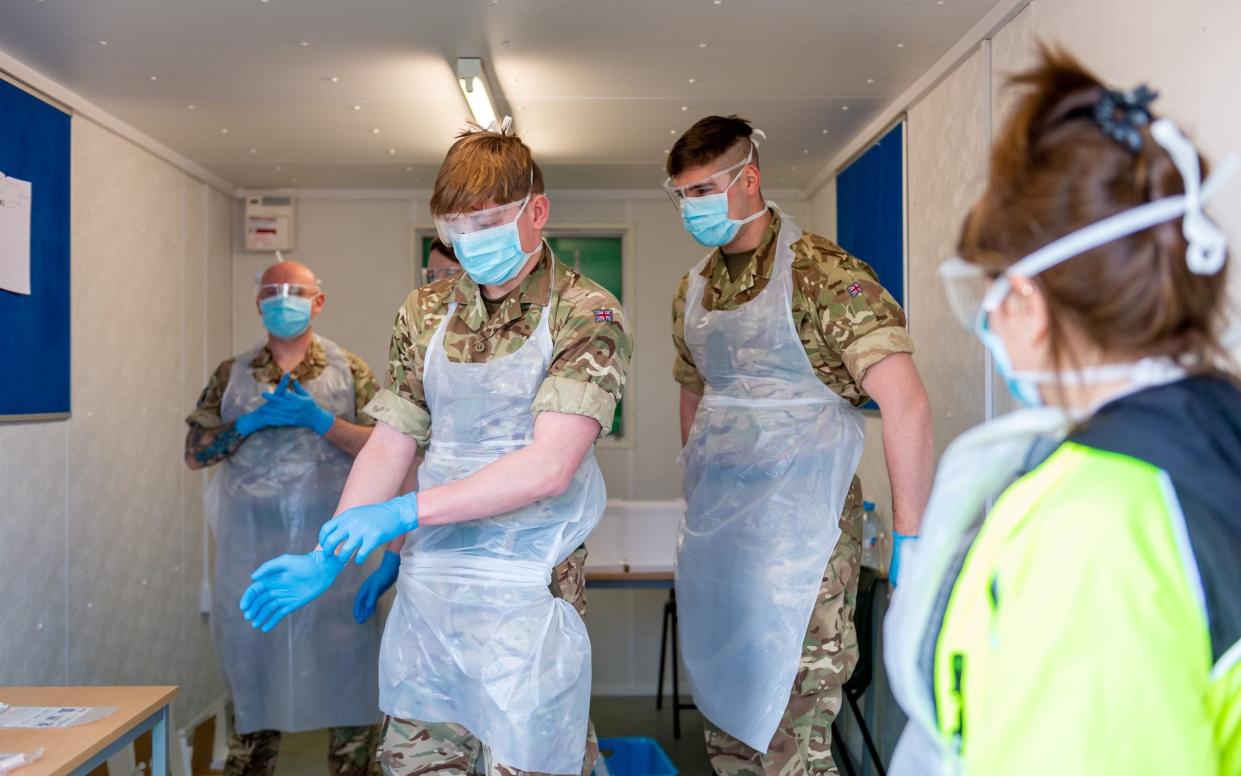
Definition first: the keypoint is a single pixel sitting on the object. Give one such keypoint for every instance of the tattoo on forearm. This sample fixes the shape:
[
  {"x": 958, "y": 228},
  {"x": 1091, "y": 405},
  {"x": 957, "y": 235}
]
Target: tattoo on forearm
[{"x": 212, "y": 445}]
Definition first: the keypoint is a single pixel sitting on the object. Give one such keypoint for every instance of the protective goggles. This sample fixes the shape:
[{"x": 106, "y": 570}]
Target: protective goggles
[
  {"x": 430, "y": 275},
  {"x": 972, "y": 292},
  {"x": 715, "y": 183},
  {"x": 477, "y": 220},
  {"x": 271, "y": 290}
]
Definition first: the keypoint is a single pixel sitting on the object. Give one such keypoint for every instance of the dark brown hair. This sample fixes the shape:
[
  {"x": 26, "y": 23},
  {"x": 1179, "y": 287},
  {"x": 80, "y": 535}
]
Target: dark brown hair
[
  {"x": 443, "y": 249},
  {"x": 484, "y": 167},
  {"x": 1055, "y": 170},
  {"x": 708, "y": 140}
]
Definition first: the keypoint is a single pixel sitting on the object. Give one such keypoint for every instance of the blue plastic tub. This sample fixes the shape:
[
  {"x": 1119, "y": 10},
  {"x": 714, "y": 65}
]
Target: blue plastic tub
[{"x": 635, "y": 756}]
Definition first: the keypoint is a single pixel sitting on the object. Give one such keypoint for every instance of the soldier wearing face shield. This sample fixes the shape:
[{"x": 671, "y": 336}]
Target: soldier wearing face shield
[{"x": 281, "y": 423}]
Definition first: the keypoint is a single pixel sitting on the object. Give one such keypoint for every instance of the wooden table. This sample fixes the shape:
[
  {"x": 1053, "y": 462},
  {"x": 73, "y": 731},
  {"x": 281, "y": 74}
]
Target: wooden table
[{"x": 81, "y": 749}]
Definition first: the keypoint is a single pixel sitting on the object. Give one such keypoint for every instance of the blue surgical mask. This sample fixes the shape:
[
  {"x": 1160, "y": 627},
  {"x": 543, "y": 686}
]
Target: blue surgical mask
[
  {"x": 286, "y": 317},
  {"x": 492, "y": 256},
  {"x": 706, "y": 218},
  {"x": 1023, "y": 386}
]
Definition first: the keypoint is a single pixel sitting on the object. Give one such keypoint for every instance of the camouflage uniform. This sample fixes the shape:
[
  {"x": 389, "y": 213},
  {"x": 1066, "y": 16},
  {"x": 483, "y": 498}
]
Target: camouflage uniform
[
  {"x": 266, "y": 370},
  {"x": 590, "y": 358},
  {"x": 350, "y": 751},
  {"x": 847, "y": 323}
]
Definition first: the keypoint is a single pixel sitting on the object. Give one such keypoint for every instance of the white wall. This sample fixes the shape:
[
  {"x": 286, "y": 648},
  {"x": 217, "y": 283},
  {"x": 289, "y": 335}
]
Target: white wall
[
  {"x": 101, "y": 564},
  {"x": 1185, "y": 50}
]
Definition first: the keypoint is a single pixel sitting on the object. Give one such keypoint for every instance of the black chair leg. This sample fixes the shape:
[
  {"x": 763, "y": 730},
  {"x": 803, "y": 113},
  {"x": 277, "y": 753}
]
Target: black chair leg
[
  {"x": 663, "y": 654},
  {"x": 870, "y": 742},
  {"x": 838, "y": 741},
  {"x": 676, "y": 675}
]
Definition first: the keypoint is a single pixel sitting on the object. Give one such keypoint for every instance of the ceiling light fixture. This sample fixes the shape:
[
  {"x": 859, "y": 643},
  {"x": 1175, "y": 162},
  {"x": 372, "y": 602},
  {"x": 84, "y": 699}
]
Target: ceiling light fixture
[
  {"x": 900, "y": 45},
  {"x": 844, "y": 107},
  {"x": 303, "y": 43},
  {"x": 684, "y": 107},
  {"x": 189, "y": 107},
  {"x": 103, "y": 43},
  {"x": 477, "y": 92},
  {"x": 357, "y": 107},
  {"x": 391, "y": 152},
  {"x": 334, "y": 79},
  {"x": 693, "y": 80},
  {"x": 702, "y": 45},
  {"x": 254, "y": 150},
  {"x": 870, "y": 80},
  {"x": 375, "y": 131},
  {"x": 153, "y": 77},
  {"x": 224, "y": 131}
]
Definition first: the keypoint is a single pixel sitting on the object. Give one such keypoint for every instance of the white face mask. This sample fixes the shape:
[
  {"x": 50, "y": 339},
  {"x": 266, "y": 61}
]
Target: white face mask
[{"x": 973, "y": 296}]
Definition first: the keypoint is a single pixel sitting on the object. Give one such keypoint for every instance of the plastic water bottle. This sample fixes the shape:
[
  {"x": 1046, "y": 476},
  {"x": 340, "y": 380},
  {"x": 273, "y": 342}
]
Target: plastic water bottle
[{"x": 872, "y": 533}]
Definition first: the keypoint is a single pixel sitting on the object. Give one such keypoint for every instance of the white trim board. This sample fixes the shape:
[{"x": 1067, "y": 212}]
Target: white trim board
[
  {"x": 988, "y": 26},
  {"x": 80, "y": 107}
]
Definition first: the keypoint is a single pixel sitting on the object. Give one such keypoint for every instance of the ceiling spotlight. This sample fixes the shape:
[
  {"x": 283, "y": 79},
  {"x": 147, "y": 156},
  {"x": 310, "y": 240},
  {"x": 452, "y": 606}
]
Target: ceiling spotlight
[
  {"x": 684, "y": 107},
  {"x": 375, "y": 131},
  {"x": 189, "y": 107},
  {"x": 870, "y": 80},
  {"x": 702, "y": 45},
  {"x": 409, "y": 169},
  {"x": 334, "y": 79},
  {"x": 672, "y": 132},
  {"x": 254, "y": 150},
  {"x": 357, "y": 107},
  {"x": 826, "y": 131},
  {"x": 717, "y": 2},
  {"x": 303, "y": 43},
  {"x": 391, "y": 152},
  {"x": 279, "y": 167},
  {"x": 103, "y": 43},
  {"x": 844, "y": 107},
  {"x": 805, "y": 150},
  {"x": 153, "y": 77},
  {"x": 693, "y": 80},
  {"x": 900, "y": 45},
  {"x": 224, "y": 131},
  {"x": 477, "y": 92}
]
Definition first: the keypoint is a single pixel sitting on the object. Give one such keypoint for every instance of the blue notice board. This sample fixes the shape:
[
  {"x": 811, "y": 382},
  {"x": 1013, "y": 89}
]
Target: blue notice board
[
  {"x": 34, "y": 329},
  {"x": 870, "y": 210}
]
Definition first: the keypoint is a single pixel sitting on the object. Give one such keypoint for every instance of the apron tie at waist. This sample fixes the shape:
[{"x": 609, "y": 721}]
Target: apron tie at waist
[{"x": 463, "y": 568}]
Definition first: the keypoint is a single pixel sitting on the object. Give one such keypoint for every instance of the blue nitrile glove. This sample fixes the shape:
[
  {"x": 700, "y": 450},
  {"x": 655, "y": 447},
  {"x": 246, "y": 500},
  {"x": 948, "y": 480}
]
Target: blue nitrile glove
[
  {"x": 367, "y": 528},
  {"x": 298, "y": 408},
  {"x": 894, "y": 568},
  {"x": 265, "y": 416},
  {"x": 375, "y": 586},
  {"x": 287, "y": 583}
]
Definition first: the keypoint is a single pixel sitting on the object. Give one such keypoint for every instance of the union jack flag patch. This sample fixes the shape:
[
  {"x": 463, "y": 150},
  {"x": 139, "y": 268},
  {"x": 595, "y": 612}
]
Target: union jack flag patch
[
  {"x": 604, "y": 315},
  {"x": 855, "y": 289}
]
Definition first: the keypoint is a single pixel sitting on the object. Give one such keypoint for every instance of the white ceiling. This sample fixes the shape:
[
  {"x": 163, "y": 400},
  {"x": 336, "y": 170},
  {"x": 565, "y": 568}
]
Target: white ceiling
[{"x": 599, "y": 88}]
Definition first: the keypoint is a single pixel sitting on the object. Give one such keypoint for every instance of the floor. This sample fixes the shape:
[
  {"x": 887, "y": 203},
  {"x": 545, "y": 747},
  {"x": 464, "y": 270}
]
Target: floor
[{"x": 303, "y": 753}]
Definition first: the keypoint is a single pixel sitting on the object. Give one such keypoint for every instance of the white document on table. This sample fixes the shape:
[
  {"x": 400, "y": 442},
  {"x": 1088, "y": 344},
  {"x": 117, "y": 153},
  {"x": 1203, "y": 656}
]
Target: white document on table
[
  {"x": 15, "y": 197},
  {"x": 51, "y": 716}
]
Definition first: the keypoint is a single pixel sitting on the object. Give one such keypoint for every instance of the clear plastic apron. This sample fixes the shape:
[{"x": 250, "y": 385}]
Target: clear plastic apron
[
  {"x": 316, "y": 669},
  {"x": 475, "y": 637},
  {"x": 975, "y": 469},
  {"x": 767, "y": 468}
]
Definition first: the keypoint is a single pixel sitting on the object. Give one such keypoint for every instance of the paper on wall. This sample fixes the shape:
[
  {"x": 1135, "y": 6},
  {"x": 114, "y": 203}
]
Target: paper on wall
[{"x": 15, "y": 197}]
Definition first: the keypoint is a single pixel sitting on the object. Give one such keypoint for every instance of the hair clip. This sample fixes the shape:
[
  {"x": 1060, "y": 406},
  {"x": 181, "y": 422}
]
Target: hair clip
[{"x": 1121, "y": 115}]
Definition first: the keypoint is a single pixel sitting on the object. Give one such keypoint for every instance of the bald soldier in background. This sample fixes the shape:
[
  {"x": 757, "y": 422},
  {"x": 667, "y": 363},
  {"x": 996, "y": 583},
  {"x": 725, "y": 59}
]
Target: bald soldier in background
[{"x": 283, "y": 422}]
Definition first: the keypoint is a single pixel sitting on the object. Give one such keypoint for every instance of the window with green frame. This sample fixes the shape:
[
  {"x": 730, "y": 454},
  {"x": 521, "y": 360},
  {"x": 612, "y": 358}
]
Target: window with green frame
[{"x": 598, "y": 258}]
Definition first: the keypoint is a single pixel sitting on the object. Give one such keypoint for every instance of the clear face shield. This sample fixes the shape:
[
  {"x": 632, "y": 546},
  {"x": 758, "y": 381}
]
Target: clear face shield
[
  {"x": 718, "y": 182},
  {"x": 458, "y": 224},
  {"x": 265, "y": 291}
]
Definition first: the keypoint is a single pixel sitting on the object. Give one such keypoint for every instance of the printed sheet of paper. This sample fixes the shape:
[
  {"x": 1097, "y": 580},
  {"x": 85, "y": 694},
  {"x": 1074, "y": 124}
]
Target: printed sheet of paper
[
  {"x": 15, "y": 197},
  {"x": 51, "y": 716}
]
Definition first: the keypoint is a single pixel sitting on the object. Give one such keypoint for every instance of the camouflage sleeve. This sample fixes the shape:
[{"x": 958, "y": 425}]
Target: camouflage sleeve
[
  {"x": 683, "y": 369},
  {"x": 590, "y": 361},
  {"x": 206, "y": 413},
  {"x": 402, "y": 403},
  {"x": 364, "y": 388},
  {"x": 858, "y": 319}
]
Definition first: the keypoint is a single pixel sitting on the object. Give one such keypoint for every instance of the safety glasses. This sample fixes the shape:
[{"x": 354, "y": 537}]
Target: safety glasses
[
  {"x": 477, "y": 220},
  {"x": 715, "y": 183},
  {"x": 272, "y": 290}
]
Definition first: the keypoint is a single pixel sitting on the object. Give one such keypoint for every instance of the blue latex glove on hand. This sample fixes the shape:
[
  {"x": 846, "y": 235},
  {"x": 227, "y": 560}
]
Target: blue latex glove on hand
[
  {"x": 285, "y": 584},
  {"x": 264, "y": 416},
  {"x": 375, "y": 586},
  {"x": 367, "y": 528},
  {"x": 297, "y": 407},
  {"x": 894, "y": 568}
]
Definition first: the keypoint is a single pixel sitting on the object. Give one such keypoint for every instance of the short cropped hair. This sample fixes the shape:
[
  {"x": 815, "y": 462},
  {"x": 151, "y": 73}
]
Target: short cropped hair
[
  {"x": 709, "y": 140},
  {"x": 482, "y": 167}
]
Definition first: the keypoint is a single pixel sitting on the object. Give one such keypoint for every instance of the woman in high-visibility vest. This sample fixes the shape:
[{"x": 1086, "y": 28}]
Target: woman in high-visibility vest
[{"x": 1074, "y": 603}]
